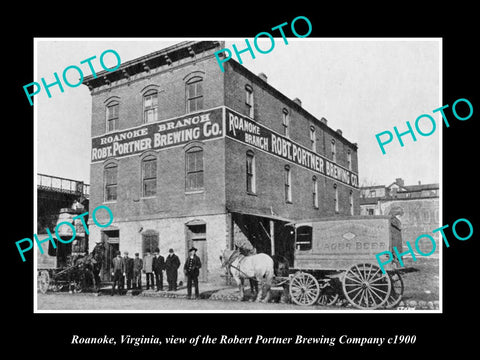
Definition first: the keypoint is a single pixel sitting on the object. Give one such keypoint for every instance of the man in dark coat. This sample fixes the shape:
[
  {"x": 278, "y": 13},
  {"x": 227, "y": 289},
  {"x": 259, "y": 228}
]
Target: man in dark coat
[
  {"x": 128, "y": 269},
  {"x": 192, "y": 270},
  {"x": 158, "y": 267},
  {"x": 172, "y": 263},
  {"x": 137, "y": 272},
  {"x": 118, "y": 269}
]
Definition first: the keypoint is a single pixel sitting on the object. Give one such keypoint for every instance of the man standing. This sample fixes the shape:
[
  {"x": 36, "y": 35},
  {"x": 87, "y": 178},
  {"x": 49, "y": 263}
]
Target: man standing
[
  {"x": 192, "y": 270},
  {"x": 171, "y": 266},
  {"x": 137, "y": 272},
  {"x": 128, "y": 269},
  {"x": 148, "y": 268},
  {"x": 158, "y": 267},
  {"x": 118, "y": 268}
]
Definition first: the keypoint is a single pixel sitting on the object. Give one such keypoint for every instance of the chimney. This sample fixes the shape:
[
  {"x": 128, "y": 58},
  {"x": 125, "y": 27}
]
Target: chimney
[
  {"x": 263, "y": 76},
  {"x": 339, "y": 131},
  {"x": 400, "y": 182},
  {"x": 297, "y": 101},
  {"x": 323, "y": 120}
]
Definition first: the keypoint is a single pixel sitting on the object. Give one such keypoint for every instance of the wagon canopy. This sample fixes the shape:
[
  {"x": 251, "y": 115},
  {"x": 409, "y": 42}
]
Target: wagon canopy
[{"x": 335, "y": 243}]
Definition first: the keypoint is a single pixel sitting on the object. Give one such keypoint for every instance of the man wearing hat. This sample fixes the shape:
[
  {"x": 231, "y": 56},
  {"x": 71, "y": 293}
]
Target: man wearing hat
[
  {"x": 137, "y": 272},
  {"x": 172, "y": 263},
  {"x": 128, "y": 269},
  {"x": 192, "y": 270},
  {"x": 118, "y": 269}
]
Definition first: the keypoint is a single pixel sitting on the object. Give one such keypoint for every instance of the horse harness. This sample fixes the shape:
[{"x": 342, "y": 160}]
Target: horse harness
[{"x": 231, "y": 259}]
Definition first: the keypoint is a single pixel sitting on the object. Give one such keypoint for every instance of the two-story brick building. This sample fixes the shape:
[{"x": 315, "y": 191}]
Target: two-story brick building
[{"x": 185, "y": 154}]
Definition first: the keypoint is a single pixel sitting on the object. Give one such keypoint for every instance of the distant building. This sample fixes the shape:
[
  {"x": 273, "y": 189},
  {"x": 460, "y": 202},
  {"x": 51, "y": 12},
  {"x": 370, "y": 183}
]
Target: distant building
[{"x": 417, "y": 206}]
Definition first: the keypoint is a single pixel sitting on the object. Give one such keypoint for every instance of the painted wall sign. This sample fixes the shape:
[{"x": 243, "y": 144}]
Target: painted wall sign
[
  {"x": 250, "y": 132},
  {"x": 159, "y": 135}
]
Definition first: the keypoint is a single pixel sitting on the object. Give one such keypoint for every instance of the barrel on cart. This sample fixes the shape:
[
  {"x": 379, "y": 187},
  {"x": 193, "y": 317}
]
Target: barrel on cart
[{"x": 335, "y": 259}]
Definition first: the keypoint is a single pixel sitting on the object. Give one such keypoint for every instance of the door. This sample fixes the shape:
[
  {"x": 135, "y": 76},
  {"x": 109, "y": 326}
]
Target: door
[
  {"x": 112, "y": 246},
  {"x": 196, "y": 235}
]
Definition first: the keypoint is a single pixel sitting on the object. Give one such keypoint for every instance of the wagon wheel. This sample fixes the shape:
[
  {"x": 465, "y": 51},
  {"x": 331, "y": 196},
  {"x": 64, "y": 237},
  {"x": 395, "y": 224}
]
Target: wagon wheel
[
  {"x": 327, "y": 298},
  {"x": 396, "y": 292},
  {"x": 43, "y": 280},
  {"x": 304, "y": 289},
  {"x": 365, "y": 286}
]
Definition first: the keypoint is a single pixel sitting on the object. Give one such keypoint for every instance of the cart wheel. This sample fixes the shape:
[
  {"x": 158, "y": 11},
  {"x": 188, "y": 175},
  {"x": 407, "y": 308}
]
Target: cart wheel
[
  {"x": 304, "y": 289},
  {"x": 396, "y": 292},
  {"x": 43, "y": 280},
  {"x": 327, "y": 298},
  {"x": 365, "y": 286}
]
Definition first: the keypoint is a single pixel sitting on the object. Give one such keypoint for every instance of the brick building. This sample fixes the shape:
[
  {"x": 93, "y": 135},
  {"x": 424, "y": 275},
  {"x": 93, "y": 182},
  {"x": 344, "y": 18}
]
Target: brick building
[
  {"x": 185, "y": 154},
  {"x": 417, "y": 207}
]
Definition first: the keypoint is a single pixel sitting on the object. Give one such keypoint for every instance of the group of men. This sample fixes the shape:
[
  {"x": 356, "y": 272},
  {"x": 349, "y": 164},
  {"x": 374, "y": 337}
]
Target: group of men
[{"x": 130, "y": 270}]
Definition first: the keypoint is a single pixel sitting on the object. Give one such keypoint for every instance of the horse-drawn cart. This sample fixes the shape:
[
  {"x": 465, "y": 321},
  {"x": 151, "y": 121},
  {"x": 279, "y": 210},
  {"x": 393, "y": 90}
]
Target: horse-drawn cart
[
  {"x": 335, "y": 258},
  {"x": 67, "y": 264}
]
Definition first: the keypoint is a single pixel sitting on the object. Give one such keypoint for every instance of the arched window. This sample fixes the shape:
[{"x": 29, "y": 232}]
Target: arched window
[
  {"x": 149, "y": 176},
  {"x": 304, "y": 238},
  {"x": 150, "y": 106},
  {"x": 194, "y": 94},
  {"x": 112, "y": 115},
  {"x": 194, "y": 169},
  {"x": 251, "y": 172},
  {"x": 335, "y": 200},
  {"x": 334, "y": 150},
  {"x": 249, "y": 100},
  {"x": 286, "y": 122},
  {"x": 315, "y": 192},
  {"x": 288, "y": 184},
  {"x": 110, "y": 182}
]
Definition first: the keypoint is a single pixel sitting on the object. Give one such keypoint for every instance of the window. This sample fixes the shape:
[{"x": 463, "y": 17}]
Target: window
[
  {"x": 250, "y": 168},
  {"x": 149, "y": 241},
  {"x": 351, "y": 202},
  {"x": 313, "y": 138},
  {"x": 349, "y": 159},
  {"x": 334, "y": 150},
  {"x": 194, "y": 92},
  {"x": 371, "y": 211},
  {"x": 288, "y": 187},
  {"x": 149, "y": 176},
  {"x": 315, "y": 192},
  {"x": 150, "y": 106},
  {"x": 111, "y": 173},
  {"x": 194, "y": 169},
  {"x": 249, "y": 100},
  {"x": 112, "y": 116},
  {"x": 286, "y": 123},
  {"x": 335, "y": 200},
  {"x": 373, "y": 193},
  {"x": 304, "y": 238}
]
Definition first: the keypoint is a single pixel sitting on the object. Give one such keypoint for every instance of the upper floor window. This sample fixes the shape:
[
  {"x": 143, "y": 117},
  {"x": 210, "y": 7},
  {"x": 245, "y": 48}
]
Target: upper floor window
[
  {"x": 334, "y": 151},
  {"x": 315, "y": 192},
  {"x": 349, "y": 159},
  {"x": 335, "y": 200},
  {"x": 288, "y": 184},
  {"x": 313, "y": 138},
  {"x": 112, "y": 116},
  {"x": 194, "y": 169},
  {"x": 286, "y": 123},
  {"x": 194, "y": 94},
  {"x": 351, "y": 202},
  {"x": 249, "y": 100},
  {"x": 150, "y": 106},
  {"x": 110, "y": 182},
  {"x": 149, "y": 176},
  {"x": 251, "y": 175}
]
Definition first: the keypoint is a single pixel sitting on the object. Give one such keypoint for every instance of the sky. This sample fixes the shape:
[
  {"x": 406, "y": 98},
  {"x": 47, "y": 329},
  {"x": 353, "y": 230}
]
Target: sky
[{"x": 361, "y": 86}]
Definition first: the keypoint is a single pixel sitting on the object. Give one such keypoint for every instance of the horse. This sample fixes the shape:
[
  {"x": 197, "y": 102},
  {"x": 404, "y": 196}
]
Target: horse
[
  {"x": 88, "y": 267},
  {"x": 258, "y": 267}
]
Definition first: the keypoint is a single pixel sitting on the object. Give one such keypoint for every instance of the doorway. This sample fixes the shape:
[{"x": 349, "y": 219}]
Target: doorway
[
  {"x": 196, "y": 236},
  {"x": 111, "y": 238}
]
